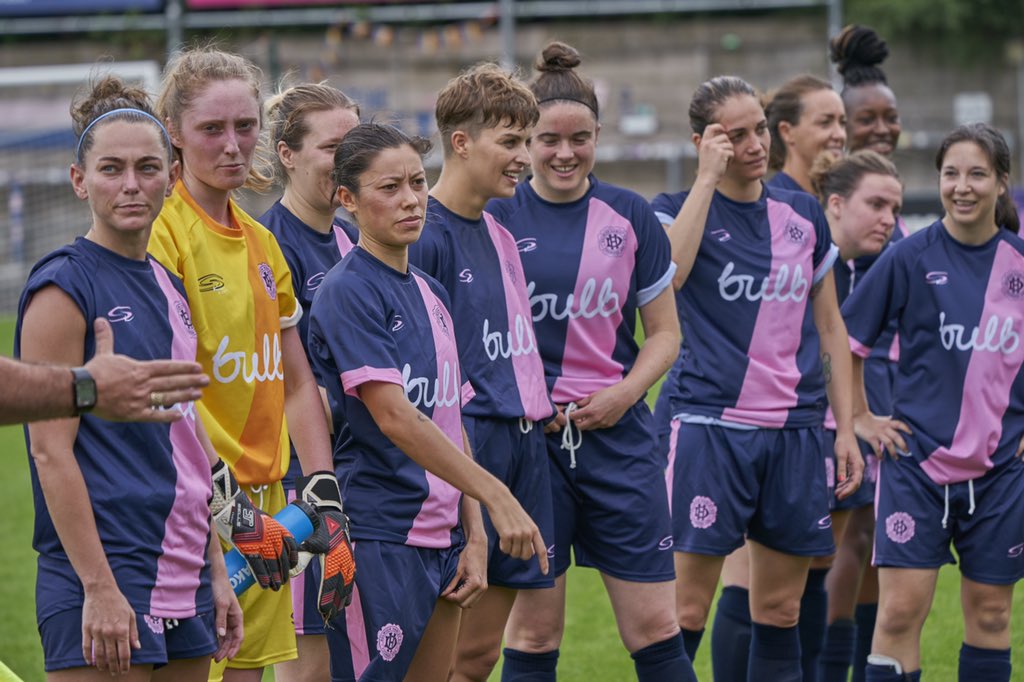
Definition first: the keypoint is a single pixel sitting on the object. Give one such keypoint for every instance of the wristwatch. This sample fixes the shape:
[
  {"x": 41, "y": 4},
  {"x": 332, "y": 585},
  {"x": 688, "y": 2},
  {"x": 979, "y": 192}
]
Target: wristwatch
[{"x": 83, "y": 390}]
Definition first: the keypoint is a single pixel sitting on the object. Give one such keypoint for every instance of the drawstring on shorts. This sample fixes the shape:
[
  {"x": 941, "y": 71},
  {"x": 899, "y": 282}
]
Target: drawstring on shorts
[
  {"x": 568, "y": 442},
  {"x": 970, "y": 494}
]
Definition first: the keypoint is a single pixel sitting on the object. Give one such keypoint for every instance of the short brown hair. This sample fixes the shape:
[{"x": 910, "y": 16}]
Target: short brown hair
[{"x": 483, "y": 96}]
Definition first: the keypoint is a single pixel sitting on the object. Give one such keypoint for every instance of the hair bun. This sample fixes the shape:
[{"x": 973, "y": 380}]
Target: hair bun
[
  {"x": 558, "y": 56},
  {"x": 857, "y": 46}
]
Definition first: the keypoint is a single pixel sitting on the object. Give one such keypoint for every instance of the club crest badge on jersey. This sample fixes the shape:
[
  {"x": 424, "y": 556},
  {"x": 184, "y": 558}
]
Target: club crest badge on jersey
[
  {"x": 439, "y": 317},
  {"x": 1013, "y": 284},
  {"x": 267, "y": 275},
  {"x": 185, "y": 316},
  {"x": 612, "y": 241},
  {"x": 796, "y": 233},
  {"x": 389, "y": 641}
]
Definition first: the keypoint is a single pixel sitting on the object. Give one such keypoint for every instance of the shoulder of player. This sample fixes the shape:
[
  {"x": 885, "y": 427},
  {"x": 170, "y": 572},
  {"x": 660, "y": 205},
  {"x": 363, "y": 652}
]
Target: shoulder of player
[{"x": 669, "y": 203}]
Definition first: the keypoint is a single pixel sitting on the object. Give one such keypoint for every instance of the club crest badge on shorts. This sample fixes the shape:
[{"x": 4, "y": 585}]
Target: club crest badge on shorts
[
  {"x": 389, "y": 641},
  {"x": 703, "y": 512}
]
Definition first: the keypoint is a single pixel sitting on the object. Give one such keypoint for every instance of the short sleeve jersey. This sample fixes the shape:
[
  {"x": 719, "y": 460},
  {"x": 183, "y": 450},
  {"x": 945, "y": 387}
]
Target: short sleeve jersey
[
  {"x": 240, "y": 289},
  {"x": 310, "y": 255},
  {"x": 751, "y": 350},
  {"x": 783, "y": 180},
  {"x": 478, "y": 264},
  {"x": 157, "y": 474},
  {"x": 960, "y": 314},
  {"x": 372, "y": 323},
  {"x": 590, "y": 264}
]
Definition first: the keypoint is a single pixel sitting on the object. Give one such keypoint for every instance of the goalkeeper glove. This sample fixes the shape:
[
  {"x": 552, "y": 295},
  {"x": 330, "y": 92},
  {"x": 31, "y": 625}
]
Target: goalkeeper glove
[
  {"x": 330, "y": 542},
  {"x": 267, "y": 546}
]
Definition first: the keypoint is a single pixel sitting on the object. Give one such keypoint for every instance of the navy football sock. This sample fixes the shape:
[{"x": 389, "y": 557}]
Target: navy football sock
[
  {"x": 984, "y": 665},
  {"x": 834, "y": 662},
  {"x": 813, "y": 620},
  {"x": 664, "y": 660},
  {"x": 774, "y": 654},
  {"x": 520, "y": 666},
  {"x": 885, "y": 669},
  {"x": 691, "y": 642},
  {"x": 865, "y": 616},
  {"x": 730, "y": 635}
]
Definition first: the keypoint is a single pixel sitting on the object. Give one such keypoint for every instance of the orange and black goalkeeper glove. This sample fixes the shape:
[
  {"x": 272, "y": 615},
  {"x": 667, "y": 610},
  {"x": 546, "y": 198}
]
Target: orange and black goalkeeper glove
[
  {"x": 267, "y": 546},
  {"x": 330, "y": 541}
]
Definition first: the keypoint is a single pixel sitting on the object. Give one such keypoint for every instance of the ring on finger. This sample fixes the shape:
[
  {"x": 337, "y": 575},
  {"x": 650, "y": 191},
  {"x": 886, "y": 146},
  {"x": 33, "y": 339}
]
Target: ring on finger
[{"x": 156, "y": 399}]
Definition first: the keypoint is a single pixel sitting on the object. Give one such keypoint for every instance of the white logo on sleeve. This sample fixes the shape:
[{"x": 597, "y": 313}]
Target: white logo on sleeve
[
  {"x": 121, "y": 313},
  {"x": 999, "y": 336},
  {"x": 466, "y": 276},
  {"x": 783, "y": 287},
  {"x": 265, "y": 366}
]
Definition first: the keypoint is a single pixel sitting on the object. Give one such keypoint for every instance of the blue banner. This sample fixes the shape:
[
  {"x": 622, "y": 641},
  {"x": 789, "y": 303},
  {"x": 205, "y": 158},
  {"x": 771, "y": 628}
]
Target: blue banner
[{"x": 36, "y": 8}]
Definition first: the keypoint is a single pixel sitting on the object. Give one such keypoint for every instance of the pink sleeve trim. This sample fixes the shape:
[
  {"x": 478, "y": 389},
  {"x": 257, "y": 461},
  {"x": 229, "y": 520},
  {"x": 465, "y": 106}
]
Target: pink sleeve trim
[
  {"x": 467, "y": 393},
  {"x": 354, "y": 378},
  {"x": 858, "y": 348}
]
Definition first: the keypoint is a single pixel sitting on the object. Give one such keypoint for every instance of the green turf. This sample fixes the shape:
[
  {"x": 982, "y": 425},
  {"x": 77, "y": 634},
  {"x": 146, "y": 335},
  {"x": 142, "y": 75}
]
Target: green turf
[{"x": 591, "y": 651}]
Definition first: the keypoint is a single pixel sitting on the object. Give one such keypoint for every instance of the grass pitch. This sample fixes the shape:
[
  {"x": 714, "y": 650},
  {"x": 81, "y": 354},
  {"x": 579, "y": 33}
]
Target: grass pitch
[{"x": 591, "y": 651}]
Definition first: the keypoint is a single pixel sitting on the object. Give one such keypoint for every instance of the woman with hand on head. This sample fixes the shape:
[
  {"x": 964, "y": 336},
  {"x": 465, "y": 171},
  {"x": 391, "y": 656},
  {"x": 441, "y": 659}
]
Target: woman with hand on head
[
  {"x": 130, "y": 578},
  {"x": 593, "y": 256},
  {"x": 383, "y": 343},
  {"x": 806, "y": 121},
  {"x": 763, "y": 345},
  {"x": 246, "y": 316},
  {"x": 872, "y": 122},
  {"x": 306, "y": 123},
  {"x": 955, "y": 290}
]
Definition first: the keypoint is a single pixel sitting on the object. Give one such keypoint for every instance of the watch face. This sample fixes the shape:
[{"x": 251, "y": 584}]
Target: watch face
[{"x": 86, "y": 394}]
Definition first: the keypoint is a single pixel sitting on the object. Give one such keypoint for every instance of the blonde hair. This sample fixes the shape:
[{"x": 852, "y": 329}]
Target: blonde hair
[
  {"x": 189, "y": 72},
  {"x": 286, "y": 114}
]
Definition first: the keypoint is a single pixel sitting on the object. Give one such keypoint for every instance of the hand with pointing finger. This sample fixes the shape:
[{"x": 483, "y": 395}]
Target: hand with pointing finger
[{"x": 133, "y": 390}]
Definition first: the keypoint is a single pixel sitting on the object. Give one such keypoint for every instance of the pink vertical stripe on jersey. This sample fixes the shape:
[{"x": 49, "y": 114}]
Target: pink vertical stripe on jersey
[
  {"x": 187, "y": 528},
  {"x": 673, "y": 443},
  {"x": 527, "y": 365},
  {"x": 987, "y": 384},
  {"x": 344, "y": 243},
  {"x": 440, "y": 511},
  {"x": 355, "y": 629},
  {"x": 298, "y": 587},
  {"x": 769, "y": 387},
  {"x": 590, "y": 336}
]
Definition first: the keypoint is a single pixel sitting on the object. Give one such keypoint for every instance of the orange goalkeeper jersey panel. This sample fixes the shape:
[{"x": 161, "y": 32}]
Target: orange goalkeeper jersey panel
[{"x": 240, "y": 291}]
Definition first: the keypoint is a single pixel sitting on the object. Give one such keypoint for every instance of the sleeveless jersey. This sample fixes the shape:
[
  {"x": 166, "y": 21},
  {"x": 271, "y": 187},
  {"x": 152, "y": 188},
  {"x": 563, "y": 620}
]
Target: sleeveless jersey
[{"x": 149, "y": 484}]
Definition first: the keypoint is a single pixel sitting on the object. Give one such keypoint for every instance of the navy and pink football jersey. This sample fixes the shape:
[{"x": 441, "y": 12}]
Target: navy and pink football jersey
[
  {"x": 960, "y": 314},
  {"x": 783, "y": 180},
  {"x": 751, "y": 351},
  {"x": 310, "y": 256},
  {"x": 149, "y": 484},
  {"x": 478, "y": 263},
  {"x": 589, "y": 265},
  {"x": 370, "y": 322}
]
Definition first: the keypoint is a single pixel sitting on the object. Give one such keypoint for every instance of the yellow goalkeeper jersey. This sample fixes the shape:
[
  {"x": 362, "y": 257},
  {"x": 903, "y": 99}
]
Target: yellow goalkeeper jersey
[{"x": 240, "y": 292}]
